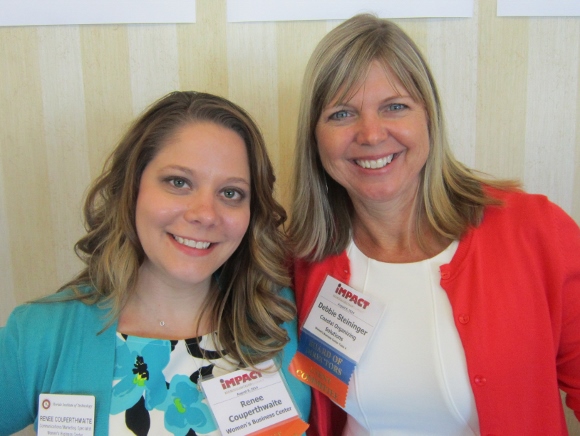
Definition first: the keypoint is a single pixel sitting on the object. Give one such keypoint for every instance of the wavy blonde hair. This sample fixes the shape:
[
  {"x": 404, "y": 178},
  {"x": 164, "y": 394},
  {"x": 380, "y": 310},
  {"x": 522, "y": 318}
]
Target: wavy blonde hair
[
  {"x": 451, "y": 196},
  {"x": 245, "y": 306}
]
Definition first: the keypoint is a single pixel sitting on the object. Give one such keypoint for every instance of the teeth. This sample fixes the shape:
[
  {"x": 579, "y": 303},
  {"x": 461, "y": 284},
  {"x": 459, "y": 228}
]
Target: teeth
[
  {"x": 379, "y": 163},
  {"x": 192, "y": 243}
]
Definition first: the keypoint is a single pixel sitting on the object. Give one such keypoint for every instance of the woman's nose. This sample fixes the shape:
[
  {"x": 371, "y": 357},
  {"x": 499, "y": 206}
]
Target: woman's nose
[
  {"x": 201, "y": 208},
  {"x": 371, "y": 130}
]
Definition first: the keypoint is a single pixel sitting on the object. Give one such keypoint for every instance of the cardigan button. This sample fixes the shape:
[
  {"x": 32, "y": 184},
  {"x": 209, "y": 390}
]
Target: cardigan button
[
  {"x": 445, "y": 275},
  {"x": 480, "y": 380},
  {"x": 464, "y": 318}
]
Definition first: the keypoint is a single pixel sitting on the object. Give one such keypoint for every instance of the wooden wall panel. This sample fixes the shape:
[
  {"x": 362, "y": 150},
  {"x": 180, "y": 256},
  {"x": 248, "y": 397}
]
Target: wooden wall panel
[
  {"x": 8, "y": 291},
  {"x": 203, "y": 60},
  {"x": 153, "y": 62},
  {"x": 552, "y": 90},
  {"x": 501, "y": 93},
  {"x": 65, "y": 140},
  {"x": 107, "y": 86},
  {"x": 23, "y": 146},
  {"x": 295, "y": 43},
  {"x": 509, "y": 86},
  {"x": 457, "y": 81},
  {"x": 253, "y": 76}
]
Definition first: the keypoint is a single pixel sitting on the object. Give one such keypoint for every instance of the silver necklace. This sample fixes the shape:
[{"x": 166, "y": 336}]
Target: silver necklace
[{"x": 160, "y": 321}]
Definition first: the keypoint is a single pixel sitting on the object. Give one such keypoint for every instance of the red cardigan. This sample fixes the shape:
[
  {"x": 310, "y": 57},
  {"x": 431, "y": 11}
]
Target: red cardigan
[{"x": 514, "y": 287}]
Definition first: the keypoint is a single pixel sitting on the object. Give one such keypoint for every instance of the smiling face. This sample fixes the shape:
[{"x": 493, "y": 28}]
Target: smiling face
[
  {"x": 193, "y": 207},
  {"x": 376, "y": 143}
]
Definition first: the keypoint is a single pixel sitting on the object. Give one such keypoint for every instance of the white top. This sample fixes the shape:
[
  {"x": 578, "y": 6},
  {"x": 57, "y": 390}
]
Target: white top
[{"x": 412, "y": 378}]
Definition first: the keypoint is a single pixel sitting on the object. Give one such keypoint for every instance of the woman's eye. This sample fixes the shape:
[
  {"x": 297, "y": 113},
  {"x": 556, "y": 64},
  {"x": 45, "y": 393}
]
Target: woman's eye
[
  {"x": 396, "y": 107},
  {"x": 339, "y": 115},
  {"x": 233, "y": 194},
  {"x": 177, "y": 182}
]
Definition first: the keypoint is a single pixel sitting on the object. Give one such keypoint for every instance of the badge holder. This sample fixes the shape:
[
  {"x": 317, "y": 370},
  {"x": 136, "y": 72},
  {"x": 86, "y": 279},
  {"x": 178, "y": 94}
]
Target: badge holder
[
  {"x": 253, "y": 402},
  {"x": 334, "y": 337},
  {"x": 66, "y": 414}
]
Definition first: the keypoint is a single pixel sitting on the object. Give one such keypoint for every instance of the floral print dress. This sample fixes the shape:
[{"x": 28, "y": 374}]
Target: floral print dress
[{"x": 155, "y": 388}]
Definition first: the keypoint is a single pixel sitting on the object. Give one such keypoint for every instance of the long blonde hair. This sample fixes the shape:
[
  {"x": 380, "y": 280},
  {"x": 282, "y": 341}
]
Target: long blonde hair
[
  {"x": 451, "y": 196},
  {"x": 246, "y": 308}
]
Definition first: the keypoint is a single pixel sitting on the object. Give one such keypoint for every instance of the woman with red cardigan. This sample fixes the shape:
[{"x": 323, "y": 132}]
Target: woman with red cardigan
[{"x": 480, "y": 281}]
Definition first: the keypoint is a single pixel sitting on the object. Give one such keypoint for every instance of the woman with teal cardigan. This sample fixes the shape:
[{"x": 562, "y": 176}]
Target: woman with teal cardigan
[{"x": 184, "y": 280}]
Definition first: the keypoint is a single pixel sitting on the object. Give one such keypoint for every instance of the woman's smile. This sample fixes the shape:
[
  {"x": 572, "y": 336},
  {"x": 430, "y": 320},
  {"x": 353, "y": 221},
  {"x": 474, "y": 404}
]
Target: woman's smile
[
  {"x": 375, "y": 163},
  {"x": 200, "y": 245}
]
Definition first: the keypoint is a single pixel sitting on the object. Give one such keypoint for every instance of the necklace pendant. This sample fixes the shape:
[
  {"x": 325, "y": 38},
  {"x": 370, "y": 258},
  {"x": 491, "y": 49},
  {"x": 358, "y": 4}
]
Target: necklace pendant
[{"x": 162, "y": 323}]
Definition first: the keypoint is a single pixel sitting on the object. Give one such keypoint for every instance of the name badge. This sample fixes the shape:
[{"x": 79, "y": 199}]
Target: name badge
[
  {"x": 66, "y": 415},
  {"x": 253, "y": 403},
  {"x": 334, "y": 337}
]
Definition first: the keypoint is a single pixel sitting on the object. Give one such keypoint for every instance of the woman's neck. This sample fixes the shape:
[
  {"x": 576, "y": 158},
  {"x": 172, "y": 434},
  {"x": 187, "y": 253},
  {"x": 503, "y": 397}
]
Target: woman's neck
[
  {"x": 157, "y": 310},
  {"x": 388, "y": 234}
]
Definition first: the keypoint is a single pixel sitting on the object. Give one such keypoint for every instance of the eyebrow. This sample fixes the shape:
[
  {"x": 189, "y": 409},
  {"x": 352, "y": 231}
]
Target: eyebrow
[
  {"x": 191, "y": 174},
  {"x": 238, "y": 180}
]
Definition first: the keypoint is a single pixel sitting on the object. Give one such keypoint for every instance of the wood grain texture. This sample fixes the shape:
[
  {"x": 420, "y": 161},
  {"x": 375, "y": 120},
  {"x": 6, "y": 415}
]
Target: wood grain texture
[
  {"x": 457, "y": 81},
  {"x": 552, "y": 88},
  {"x": 510, "y": 89},
  {"x": 253, "y": 77},
  {"x": 153, "y": 63},
  {"x": 25, "y": 166},
  {"x": 107, "y": 86},
  {"x": 203, "y": 60},
  {"x": 501, "y": 93},
  {"x": 65, "y": 140},
  {"x": 295, "y": 43}
]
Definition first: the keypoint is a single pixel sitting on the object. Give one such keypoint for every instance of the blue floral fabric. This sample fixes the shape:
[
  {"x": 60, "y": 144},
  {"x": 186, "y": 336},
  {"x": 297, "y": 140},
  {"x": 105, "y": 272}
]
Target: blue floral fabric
[{"x": 155, "y": 388}]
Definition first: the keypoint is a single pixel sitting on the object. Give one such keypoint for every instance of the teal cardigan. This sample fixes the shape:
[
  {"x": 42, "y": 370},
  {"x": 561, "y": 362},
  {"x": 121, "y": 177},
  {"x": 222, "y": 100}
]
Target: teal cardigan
[{"x": 54, "y": 348}]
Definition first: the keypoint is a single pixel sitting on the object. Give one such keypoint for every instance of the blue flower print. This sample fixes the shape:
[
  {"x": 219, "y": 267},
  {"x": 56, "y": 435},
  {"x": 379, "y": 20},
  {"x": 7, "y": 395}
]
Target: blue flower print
[
  {"x": 185, "y": 408},
  {"x": 139, "y": 366}
]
